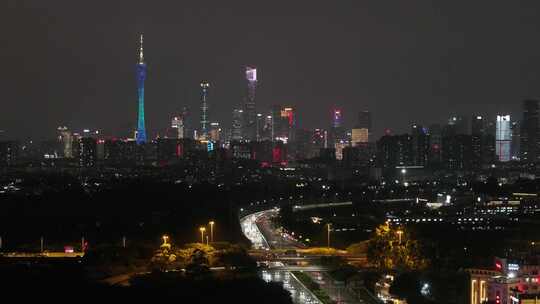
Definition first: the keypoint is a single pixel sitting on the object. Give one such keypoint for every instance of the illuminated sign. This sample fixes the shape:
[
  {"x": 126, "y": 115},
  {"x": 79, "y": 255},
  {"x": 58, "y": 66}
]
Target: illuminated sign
[{"x": 513, "y": 267}]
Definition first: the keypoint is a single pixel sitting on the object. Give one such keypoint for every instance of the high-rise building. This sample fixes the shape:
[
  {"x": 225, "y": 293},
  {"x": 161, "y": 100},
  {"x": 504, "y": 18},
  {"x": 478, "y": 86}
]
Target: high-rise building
[
  {"x": 503, "y": 138},
  {"x": 529, "y": 132},
  {"x": 65, "y": 137},
  {"x": 420, "y": 145},
  {"x": 141, "y": 76},
  {"x": 435, "y": 145},
  {"x": 87, "y": 152},
  {"x": 250, "y": 114},
  {"x": 283, "y": 123},
  {"x": 288, "y": 120},
  {"x": 365, "y": 122},
  {"x": 338, "y": 131},
  {"x": 458, "y": 124},
  {"x": 236, "y": 128},
  {"x": 9, "y": 152},
  {"x": 359, "y": 136},
  {"x": 457, "y": 151},
  {"x": 205, "y": 123},
  {"x": 394, "y": 150},
  {"x": 177, "y": 124},
  {"x": 215, "y": 132},
  {"x": 514, "y": 150},
  {"x": 478, "y": 134}
]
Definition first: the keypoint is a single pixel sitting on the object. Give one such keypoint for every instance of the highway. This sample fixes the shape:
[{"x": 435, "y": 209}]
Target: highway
[
  {"x": 251, "y": 226},
  {"x": 259, "y": 228}
]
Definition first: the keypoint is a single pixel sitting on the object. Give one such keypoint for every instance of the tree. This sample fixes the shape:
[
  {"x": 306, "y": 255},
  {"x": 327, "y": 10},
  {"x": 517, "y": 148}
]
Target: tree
[{"x": 392, "y": 248}]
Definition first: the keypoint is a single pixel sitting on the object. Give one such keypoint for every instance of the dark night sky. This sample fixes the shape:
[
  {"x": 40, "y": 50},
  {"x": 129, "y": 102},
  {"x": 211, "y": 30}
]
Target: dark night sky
[{"x": 72, "y": 62}]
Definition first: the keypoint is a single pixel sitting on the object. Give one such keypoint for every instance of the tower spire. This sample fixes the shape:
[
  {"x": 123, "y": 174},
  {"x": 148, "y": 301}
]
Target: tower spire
[{"x": 141, "y": 51}]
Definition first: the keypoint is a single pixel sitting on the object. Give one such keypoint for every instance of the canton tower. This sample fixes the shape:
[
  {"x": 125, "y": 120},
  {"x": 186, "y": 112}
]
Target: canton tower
[{"x": 141, "y": 75}]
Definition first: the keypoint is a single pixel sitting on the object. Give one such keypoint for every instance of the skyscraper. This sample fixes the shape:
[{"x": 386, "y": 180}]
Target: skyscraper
[
  {"x": 420, "y": 145},
  {"x": 503, "y": 138},
  {"x": 66, "y": 139},
  {"x": 205, "y": 123},
  {"x": 250, "y": 115},
  {"x": 529, "y": 132},
  {"x": 177, "y": 124},
  {"x": 236, "y": 128},
  {"x": 478, "y": 135},
  {"x": 338, "y": 132},
  {"x": 141, "y": 76}
]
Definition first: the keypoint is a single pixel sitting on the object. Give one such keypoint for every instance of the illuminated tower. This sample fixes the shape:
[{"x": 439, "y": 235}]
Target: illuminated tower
[
  {"x": 338, "y": 132},
  {"x": 250, "y": 114},
  {"x": 141, "y": 75},
  {"x": 204, "y": 110},
  {"x": 503, "y": 138}
]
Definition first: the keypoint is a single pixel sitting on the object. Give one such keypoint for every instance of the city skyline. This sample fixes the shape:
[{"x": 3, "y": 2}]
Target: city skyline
[{"x": 81, "y": 75}]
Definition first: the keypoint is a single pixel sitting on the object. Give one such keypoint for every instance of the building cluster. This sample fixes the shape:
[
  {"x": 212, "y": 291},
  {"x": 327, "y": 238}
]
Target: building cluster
[
  {"x": 509, "y": 281},
  {"x": 274, "y": 137}
]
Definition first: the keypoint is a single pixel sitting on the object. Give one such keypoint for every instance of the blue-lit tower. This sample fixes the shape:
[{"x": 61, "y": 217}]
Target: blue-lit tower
[
  {"x": 141, "y": 75},
  {"x": 205, "y": 123}
]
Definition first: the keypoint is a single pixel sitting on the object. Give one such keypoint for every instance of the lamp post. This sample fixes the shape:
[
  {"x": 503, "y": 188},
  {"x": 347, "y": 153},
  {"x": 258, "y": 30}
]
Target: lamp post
[
  {"x": 212, "y": 231},
  {"x": 202, "y": 230},
  {"x": 328, "y": 234}
]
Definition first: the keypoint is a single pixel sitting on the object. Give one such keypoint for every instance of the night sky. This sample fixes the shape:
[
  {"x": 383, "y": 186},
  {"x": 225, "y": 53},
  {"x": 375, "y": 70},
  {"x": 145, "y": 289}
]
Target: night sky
[{"x": 73, "y": 62}]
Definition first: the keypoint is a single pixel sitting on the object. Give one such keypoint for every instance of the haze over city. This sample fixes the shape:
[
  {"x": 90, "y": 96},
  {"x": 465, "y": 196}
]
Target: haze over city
[
  {"x": 282, "y": 152},
  {"x": 73, "y": 63}
]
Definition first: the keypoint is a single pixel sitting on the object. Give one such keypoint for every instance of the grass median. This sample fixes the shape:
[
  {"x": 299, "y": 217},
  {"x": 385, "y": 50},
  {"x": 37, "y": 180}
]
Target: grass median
[{"x": 313, "y": 287}]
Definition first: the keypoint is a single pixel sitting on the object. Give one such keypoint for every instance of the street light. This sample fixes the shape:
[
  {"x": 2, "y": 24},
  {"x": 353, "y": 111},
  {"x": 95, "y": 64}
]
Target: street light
[
  {"x": 202, "y": 229},
  {"x": 328, "y": 234},
  {"x": 212, "y": 231}
]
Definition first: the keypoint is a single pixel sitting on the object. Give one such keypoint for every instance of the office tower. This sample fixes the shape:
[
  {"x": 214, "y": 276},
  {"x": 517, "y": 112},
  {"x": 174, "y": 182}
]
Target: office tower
[
  {"x": 529, "y": 132},
  {"x": 236, "y": 128},
  {"x": 435, "y": 145},
  {"x": 215, "y": 132},
  {"x": 503, "y": 138},
  {"x": 65, "y": 138},
  {"x": 250, "y": 115},
  {"x": 457, "y": 151},
  {"x": 365, "y": 122},
  {"x": 394, "y": 150},
  {"x": 514, "y": 149},
  {"x": 359, "y": 136},
  {"x": 205, "y": 123},
  {"x": 338, "y": 131},
  {"x": 275, "y": 113},
  {"x": 141, "y": 76},
  {"x": 302, "y": 144},
  {"x": 488, "y": 143},
  {"x": 283, "y": 123},
  {"x": 87, "y": 152},
  {"x": 420, "y": 145},
  {"x": 9, "y": 152},
  {"x": 478, "y": 134},
  {"x": 458, "y": 125},
  {"x": 288, "y": 120},
  {"x": 260, "y": 124},
  {"x": 177, "y": 124}
]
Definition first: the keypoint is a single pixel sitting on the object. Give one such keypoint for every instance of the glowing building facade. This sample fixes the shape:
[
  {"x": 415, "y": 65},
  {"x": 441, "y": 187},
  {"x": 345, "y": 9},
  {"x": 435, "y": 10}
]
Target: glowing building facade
[
  {"x": 205, "y": 123},
  {"x": 250, "y": 114},
  {"x": 141, "y": 76},
  {"x": 503, "y": 138}
]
